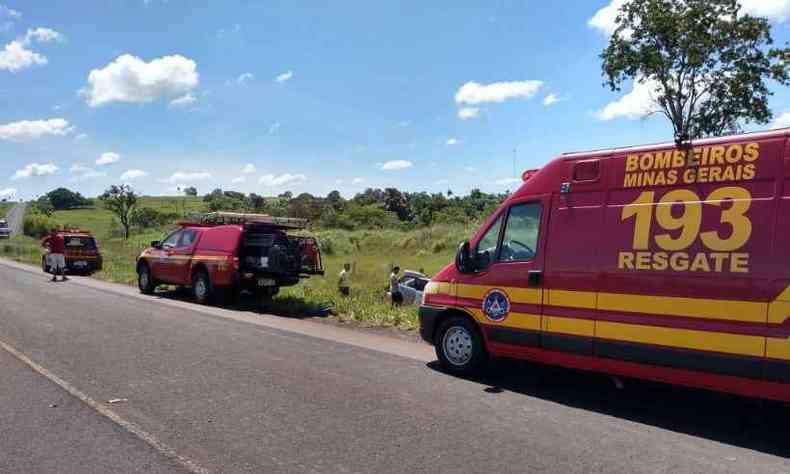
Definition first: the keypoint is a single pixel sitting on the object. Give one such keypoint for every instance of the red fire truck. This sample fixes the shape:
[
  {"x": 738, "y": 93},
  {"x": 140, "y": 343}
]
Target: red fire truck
[
  {"x": 224, "y": 253},
  {"x": 666, "y": 262}
]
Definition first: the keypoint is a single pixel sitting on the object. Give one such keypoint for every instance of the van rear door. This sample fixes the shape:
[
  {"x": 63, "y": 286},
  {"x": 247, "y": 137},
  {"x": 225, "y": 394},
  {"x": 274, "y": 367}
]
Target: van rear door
[{"x": 506, "y": 293}]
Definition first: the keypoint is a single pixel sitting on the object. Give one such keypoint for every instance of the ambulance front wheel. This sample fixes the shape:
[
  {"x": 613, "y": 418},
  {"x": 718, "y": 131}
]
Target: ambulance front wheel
[{"x": 459, "y": 346}]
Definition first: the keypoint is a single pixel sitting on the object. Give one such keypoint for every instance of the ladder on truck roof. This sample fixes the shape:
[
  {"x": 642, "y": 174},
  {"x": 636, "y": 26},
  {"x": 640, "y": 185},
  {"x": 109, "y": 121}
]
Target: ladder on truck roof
[{"x": 223, "y": 218}]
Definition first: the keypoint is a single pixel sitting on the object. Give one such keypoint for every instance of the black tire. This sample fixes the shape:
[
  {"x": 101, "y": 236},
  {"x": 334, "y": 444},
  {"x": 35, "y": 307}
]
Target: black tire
[
  {"x": 202, "y": 290},
  {"x": 460, "y": 347},
  {"x": 145, "y": 281}
]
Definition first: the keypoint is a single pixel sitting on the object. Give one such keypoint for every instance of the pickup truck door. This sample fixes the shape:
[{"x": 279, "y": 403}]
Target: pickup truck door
[
  {"x": 180, "y": 258},
  {"x": 161, "y": 263}
]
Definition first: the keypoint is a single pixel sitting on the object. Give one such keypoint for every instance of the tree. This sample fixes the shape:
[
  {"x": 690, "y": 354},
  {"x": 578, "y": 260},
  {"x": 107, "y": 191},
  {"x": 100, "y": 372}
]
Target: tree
[
  {"x": 703, "y": 61},
  {"x": 121, "y": 201},
  {"x": 62, "y": 198},
  {"x": 190, "y": 191}
]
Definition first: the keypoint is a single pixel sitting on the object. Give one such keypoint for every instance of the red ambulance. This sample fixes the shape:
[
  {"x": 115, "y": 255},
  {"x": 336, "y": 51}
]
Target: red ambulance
[{"x": 662, "y": 262}]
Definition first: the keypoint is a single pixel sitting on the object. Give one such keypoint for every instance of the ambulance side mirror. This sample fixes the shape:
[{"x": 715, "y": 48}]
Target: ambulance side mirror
[
  {"x": 156, "y": 244},
  {"x": 463, "y": 259}
]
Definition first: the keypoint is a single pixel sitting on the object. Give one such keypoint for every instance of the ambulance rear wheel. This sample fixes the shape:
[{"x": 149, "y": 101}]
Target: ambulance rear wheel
[{"x": 459, "y": 346}]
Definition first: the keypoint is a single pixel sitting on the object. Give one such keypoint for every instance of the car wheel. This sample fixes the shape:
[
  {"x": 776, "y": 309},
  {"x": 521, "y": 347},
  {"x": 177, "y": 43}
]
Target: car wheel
[
  {"x": 459, "y": 346},
  {"x": 145, "y": 281},
  {"x": 201, "y": 288}
]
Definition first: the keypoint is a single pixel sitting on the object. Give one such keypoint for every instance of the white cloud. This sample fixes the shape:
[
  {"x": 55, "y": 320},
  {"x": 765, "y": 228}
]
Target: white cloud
[
  {"x": 782, "y": 121},
  {"x": 451, "y": 141},
  {"x": 507, "y": 181},
  {"x": 82, "y": 173},
  {"x": 133, "y": 174},
  {"x": 35, "y": 169},
  {"x": 239, "y": 180},
  {"x": 775, "y": 10},
  {"x": 604, "y": 19},
  {"x": 466, "y": 113},
  {"x": 81, "y": 137},
  {"x": 7, "y": 193},
  {"x": 636, "y": 104},
  {"x": 285, "y": 179},
  {"x": 17, "y": 54},
  {"x": 187, "y": 177},
  {"x": 474, "y": 93},
  {"x": 184, "y": 101},
  {"x": 107, "y": 158},
  {"x": 245, "y": 78},
  {"x": 132, "y": 80},
  {"x": 33, "y": 129},
  {"x": 42, "y": 35},
  {"x": 249, "y": 168},
  {"x": 551, "y": 99},
  {"x": 274, "y": 128},
  {"x": 357, "y": 180},
  {"x": 284, "y": 76},
  {"x": 396, "y": 165}
]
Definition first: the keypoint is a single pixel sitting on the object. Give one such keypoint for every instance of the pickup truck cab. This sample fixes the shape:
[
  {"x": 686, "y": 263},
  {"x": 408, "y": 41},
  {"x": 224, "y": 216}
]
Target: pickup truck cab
[{"x": 227, "y": 253}]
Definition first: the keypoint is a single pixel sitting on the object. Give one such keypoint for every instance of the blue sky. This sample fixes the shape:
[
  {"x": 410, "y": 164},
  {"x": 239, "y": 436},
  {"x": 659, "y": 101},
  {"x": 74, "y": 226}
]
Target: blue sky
[{"x": 309, "y": 96}]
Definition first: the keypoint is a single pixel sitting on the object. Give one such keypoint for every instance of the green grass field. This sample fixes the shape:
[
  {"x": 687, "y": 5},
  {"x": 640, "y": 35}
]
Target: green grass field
[
  {"x": 4, "y": 207},
  {"x": 372, "y": 254}
]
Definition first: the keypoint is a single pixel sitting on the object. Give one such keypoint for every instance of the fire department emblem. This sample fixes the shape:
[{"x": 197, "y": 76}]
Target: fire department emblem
[{"x": 496, "y": 306}]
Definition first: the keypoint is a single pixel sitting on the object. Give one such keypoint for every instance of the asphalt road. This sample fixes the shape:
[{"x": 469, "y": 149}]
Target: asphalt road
[
  {"x": 15, "y": 216},
  {"x": 220, "y": 390}
]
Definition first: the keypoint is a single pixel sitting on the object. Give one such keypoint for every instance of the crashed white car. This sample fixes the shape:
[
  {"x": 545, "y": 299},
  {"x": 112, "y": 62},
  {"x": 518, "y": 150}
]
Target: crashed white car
[{"x": 411, "y": 286}]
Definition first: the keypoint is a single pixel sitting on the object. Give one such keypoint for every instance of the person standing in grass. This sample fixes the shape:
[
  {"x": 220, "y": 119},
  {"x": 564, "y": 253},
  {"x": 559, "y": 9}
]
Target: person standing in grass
[
  {"x": 343, "y": 280},
  {"x": 395, "y": 295},
  {"x": 55, "y": 246}
]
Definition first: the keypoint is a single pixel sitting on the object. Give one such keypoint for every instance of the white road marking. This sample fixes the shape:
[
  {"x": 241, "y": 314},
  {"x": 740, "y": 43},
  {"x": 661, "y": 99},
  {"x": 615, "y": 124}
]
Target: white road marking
[{"x": 132, "y": 428}]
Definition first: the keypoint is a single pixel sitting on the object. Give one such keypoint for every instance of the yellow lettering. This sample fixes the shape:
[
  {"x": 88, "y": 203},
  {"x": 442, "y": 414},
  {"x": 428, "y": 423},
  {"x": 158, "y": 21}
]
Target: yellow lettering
[
  {"x": 643, "y": 260},
  {"x": 739, "y": 263},
  {"x": 631, "y": 163},
  {"x": 632, "y": 180},
  {"x": 645, "y": 161},
  {"x": 663, "y": 160},
  {"x": 714, "y": 174},
  {"x": 679, "y": 262},
  {"x": 672, "y": 177},
  {"x": 700, "y": 263},
  {"x": 689, "y": 221},
  {"x": 678, "y": 159},
  {"x": 717, "y": 154},
  {"x": 625, "y": 261},
  {"x": 740, "y": 200},
  {"x": 718, "y": 261},
  {"x": 660, "y": 261},
  {"x": 734, "y": 153},
  {"x": 751, "y": 152},
  {"x": 748, "y": 171},
  {"x": 689, "y": 176}
]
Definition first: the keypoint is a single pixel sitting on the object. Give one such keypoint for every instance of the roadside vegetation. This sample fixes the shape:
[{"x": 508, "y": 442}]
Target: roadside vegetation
[
  {"x": 4, "y": 207},
  {"x": 374, "y": 231}
]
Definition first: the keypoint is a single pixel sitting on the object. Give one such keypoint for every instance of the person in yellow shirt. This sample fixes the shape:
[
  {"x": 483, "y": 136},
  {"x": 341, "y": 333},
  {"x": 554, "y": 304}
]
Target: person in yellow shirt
[{"x": 343, "y": 284}]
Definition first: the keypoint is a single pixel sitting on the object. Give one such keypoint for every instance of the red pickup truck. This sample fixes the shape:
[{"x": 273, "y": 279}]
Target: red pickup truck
[{"x": 227, "y": 253}]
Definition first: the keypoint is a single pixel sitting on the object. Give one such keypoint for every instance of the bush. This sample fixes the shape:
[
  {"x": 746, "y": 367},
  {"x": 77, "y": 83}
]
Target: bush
[
  {"x": 38, "y": 225},
  {"x": 148, "y": 217}
]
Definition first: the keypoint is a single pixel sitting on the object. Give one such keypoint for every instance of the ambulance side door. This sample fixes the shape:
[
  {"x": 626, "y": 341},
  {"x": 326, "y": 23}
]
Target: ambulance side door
[{"x": 507, "y": 289}]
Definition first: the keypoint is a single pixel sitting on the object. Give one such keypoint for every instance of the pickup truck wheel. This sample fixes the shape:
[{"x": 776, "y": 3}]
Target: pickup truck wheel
[
  {"x": 459, "y": 346},
  {"x": 145, "y": 281},
  {"x": 201, "y": 288}
]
